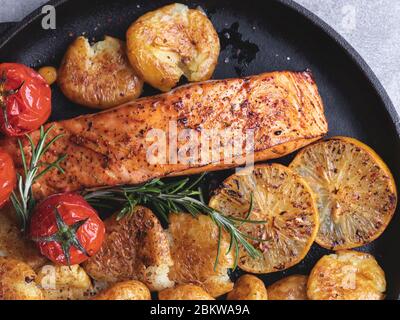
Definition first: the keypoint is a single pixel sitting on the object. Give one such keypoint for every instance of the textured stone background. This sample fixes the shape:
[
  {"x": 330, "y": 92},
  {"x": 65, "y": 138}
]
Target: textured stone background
[{"x": 372, "y": 27}]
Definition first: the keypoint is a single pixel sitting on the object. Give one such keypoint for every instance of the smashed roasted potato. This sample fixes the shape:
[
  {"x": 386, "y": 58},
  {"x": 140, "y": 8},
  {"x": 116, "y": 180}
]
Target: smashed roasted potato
[
  {"x": 346, "y": 275},
  {"x": 13, "y": 244},
  {"x": 185, "y": 292},
  {"x": 98, "y": 76},
  {"x": 194, "y": 246},
  {"x": 172, "y": 41},
  {"x": 64, "y": 283},
  {"x": 290, "y": 288},
  {"x": 134, "y": 248},
  {"x": 17, "y": 281},
  {"x": 126, "y": 290},
  {"x": 355, "y": 191},
  {"x": 284, "y": 201},
  {"x": 248, "y": 287}
]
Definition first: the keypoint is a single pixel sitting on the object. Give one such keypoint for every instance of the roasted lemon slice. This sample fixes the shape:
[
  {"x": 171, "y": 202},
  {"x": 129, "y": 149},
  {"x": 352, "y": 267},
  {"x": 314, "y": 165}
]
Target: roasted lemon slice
[
  {"x": 355, "y": 191},
  {"x": 346, "y": 275},
  {"x": 284, "y": 201}
]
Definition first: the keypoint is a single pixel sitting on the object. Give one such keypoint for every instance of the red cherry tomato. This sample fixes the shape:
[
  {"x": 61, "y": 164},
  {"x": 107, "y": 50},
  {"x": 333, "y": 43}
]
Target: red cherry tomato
[
  {"x": 67, "y": 229},
  {"x": 7, "y": 177},
  {"x": 25, "y": 99}
]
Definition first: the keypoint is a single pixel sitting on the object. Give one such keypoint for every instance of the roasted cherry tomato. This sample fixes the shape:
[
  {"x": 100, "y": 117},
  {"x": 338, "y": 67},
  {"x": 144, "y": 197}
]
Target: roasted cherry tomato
[
  {"x": 67, "y": 229},
  {"x": 25, "y": 99},
  {"x": 7, "y": 177}
]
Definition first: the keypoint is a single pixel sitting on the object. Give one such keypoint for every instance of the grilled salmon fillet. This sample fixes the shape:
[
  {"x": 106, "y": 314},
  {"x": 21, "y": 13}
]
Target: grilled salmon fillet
[{"x": 283, "y": 110}]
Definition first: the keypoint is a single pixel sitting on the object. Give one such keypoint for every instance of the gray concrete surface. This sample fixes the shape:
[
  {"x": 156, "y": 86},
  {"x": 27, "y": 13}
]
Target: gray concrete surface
[{"x": 372, "y": 27}]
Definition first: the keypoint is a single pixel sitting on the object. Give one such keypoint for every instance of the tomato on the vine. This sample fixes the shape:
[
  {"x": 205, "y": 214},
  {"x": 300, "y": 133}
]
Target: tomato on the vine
[
  {"x": 67, "y": 229},
  {"x": 25, "y": 99},
  {"x": 7, "y": 176}
]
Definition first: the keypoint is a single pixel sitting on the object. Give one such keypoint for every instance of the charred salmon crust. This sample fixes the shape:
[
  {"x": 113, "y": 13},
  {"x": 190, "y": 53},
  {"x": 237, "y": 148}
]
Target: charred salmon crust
[{"x": 283, "y": 109}]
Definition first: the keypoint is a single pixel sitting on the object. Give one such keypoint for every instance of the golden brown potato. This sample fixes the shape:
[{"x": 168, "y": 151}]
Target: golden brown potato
[
  {"x": 289, "y": 288},
  {"x": 98, "y": 76},
  {"x": 248, "y": 287},
  {"x": 127, "y": 290},
  {"x": 346, "y": 275},
  {"x": 185, "y": 292},
  {"x": 13, "y": 244},
  {"x": 170, "y": 42},
  {"x": 17, "y": 281},
  {"x": 64, "y": 283},
  {"x": 194, "y": 244},
  {"x": 134, "y": 248}
]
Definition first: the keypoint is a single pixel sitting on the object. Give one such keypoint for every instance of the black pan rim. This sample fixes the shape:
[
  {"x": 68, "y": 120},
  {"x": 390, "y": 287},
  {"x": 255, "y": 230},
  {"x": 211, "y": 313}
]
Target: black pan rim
[{"x": 333, "y": 35}]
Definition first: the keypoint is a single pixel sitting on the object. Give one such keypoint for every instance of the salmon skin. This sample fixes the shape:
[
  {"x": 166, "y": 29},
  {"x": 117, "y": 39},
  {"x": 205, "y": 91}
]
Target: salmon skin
[{"x": 109, "y": 148}]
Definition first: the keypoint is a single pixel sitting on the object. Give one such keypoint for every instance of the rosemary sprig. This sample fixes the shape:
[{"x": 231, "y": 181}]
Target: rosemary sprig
[
  {"x": 178, "y": 196},
  {"x": 22, "y": 199}
]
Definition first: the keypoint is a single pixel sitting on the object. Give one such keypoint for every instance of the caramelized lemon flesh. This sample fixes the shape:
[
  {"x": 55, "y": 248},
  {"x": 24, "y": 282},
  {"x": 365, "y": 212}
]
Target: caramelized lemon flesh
[
  {"x": 346, "y": 275},
  {"x": 355, "y": 191},
  {"x": 285, "y": 205}
]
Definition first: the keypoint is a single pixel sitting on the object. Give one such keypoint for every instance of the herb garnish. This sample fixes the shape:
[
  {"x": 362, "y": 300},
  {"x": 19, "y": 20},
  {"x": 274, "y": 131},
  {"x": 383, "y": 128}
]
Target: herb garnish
[
  {"x": 22, "y": 199},
  {"x": 176, "y": 197}
]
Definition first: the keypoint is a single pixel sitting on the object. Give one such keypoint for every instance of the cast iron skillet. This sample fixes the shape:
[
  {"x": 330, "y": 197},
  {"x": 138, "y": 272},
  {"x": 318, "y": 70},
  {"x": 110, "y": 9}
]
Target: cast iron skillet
[{"x": 263, "y": 36}]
